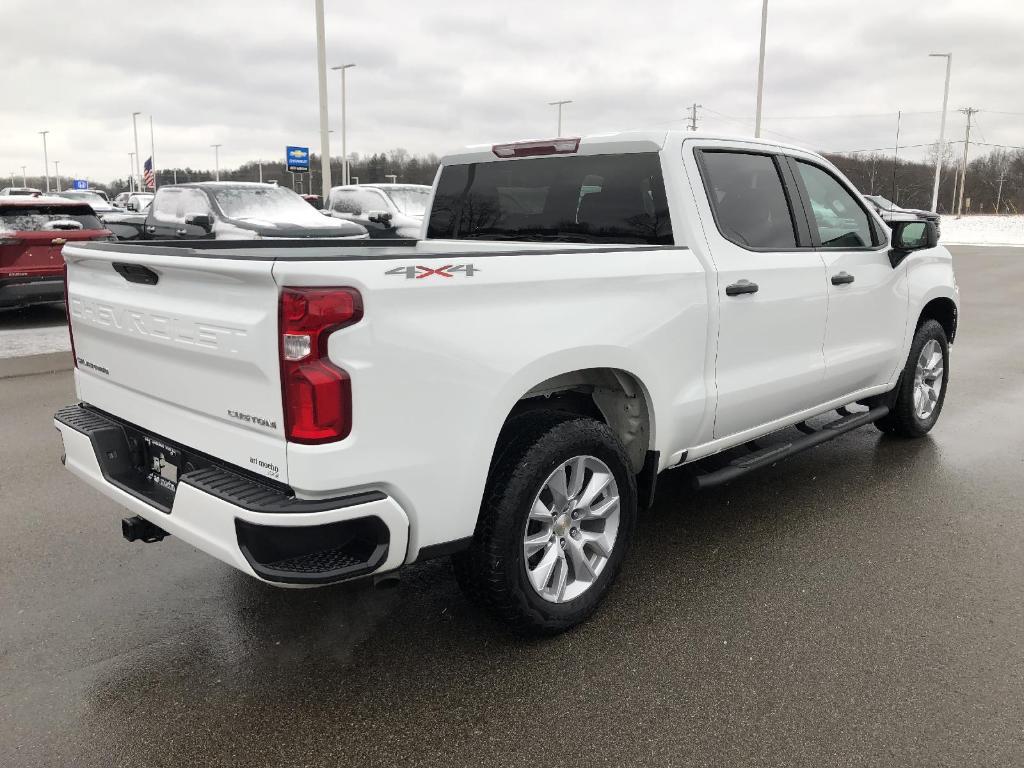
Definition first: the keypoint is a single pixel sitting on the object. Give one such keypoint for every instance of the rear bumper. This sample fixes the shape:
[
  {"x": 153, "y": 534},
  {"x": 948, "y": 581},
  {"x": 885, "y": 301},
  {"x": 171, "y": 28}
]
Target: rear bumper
[
  {"x": 257, "y": 528},
  {"x": 35, "y": 289}
]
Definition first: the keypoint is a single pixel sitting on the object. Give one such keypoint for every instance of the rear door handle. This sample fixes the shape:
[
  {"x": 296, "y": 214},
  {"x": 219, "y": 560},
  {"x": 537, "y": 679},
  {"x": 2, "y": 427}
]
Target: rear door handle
[
  {"x": 740, "y": 287},
  {"x": 843, "y": 278},
  {"x": 150, "y": 229}
]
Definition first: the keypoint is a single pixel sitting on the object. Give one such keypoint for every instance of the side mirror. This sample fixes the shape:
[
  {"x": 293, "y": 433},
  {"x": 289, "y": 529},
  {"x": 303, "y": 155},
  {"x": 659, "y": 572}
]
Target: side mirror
[
  {"x": 133, "y": 205},
  {"x": 201, "y": 220},
  {"x": 910, "y": 236},
  {"x": 380, "y": 217}
]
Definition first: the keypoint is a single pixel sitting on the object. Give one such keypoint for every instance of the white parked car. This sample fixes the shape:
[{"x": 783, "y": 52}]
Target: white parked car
[
  {"x": 385, "y": 210},
  {"x": 582, "y": 315}
]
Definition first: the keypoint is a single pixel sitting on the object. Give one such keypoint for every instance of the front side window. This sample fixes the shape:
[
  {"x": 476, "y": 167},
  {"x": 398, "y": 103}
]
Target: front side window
[
  {"x": 748, "y": 200},
  {"x": 575, "y": 199},
  {"x": 193, "y": 203},
  {"x": 840, "y": 221},
  {"x": 165, "y": 205}
]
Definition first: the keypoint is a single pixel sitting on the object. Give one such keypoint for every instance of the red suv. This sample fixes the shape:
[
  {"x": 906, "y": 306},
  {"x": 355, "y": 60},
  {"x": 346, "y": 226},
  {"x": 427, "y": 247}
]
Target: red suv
[{"x": 33, "y": 231}]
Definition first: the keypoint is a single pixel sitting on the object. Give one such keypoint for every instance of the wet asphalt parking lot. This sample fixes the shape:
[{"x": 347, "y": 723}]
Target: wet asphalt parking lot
[{"x": 860, "y": 604}]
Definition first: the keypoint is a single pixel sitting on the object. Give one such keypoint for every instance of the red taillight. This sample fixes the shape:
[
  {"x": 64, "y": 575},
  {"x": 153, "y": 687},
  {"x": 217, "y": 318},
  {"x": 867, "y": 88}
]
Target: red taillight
[
  {"x": 317, "y": 395},
  {"x": 67, "y": 311},
  {"x": 535, "y": 148}
]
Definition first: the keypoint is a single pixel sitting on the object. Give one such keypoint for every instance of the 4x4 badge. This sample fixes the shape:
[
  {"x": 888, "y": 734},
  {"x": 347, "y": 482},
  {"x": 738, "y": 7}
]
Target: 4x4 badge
[{"x": 448, "y": 270}]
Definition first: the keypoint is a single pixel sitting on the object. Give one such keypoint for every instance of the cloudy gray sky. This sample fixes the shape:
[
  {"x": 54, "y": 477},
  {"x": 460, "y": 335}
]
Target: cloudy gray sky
[{"x": 436, "y": 75}]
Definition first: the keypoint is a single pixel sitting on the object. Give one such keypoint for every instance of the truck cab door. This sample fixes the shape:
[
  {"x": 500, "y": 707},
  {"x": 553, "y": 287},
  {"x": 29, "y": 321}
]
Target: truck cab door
[
  {"x": 868, "y": 299},
  {"x": 772, "y": 300},
  {"x": 162, "y": 219},
  {"x": 195, "y": 217}
]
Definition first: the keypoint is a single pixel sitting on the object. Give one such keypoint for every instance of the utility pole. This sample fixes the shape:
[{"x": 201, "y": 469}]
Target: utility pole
[
  {"x": 260, "y": 163},
  {"x": 969, "y": 111},
  {"x": 942, "y": 131},
  {"x": 46, "y": 160},
  {"x": 56, "y": 172},
  {"x": 216, "y": 161},
  {"x": 693, "y": 116},
  {"x": 24, "y": 176},
  {"x": 559, "y": 104},
  {"x": 895, "y": 158},
  {"x": 999, "y": 194},
  {"x": 321, "y": 71},
  {"x": 344, "y": 136},
  {"x": 175, "y": 172},
  {"x": 760, "y": 69},
  {"x": 139, "y": 185}
]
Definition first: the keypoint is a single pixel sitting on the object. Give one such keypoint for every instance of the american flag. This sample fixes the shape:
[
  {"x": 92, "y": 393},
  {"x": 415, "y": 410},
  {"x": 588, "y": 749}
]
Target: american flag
[{"x": 147, "y": 174}]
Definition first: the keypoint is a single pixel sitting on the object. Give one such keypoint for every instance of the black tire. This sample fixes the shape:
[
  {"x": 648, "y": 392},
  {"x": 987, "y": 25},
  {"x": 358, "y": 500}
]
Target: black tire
[
  {"x": 493, "y": 571},
  {"x": 902, "y": 420}
]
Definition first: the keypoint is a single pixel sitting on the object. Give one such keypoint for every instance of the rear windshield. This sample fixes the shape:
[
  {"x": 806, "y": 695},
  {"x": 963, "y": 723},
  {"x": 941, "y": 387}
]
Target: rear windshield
[
  {"x": 32, "y": 218},
  {"x": 581, "y": 199}
]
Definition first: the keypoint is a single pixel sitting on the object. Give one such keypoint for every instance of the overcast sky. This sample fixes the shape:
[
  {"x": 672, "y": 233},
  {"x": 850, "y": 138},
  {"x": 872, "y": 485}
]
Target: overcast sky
[{"x": 436, "y": 75}]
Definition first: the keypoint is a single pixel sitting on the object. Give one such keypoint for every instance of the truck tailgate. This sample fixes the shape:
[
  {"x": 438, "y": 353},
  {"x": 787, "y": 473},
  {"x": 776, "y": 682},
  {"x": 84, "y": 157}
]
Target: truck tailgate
[{"x": 183, "y": 346}]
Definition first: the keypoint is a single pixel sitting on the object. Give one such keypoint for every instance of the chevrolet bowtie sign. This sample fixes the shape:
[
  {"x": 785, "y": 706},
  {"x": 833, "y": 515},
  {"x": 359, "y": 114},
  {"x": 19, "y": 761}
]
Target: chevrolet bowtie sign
[{"x": 297, "y": 159}]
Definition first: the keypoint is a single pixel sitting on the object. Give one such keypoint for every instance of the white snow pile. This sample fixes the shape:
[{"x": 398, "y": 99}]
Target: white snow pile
[
  {"x": 34, "y": 341},
  {"x": 982, "y": 230}
]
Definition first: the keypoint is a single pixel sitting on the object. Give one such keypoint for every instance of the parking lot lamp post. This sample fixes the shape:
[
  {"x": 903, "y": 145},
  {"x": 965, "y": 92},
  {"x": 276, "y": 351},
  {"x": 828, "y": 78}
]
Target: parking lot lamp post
[
  {"x": 56, "y": 172},
  {"x": 559, "y": 104},
  {"x": 321, "y": 75},
  {"x": 344, "y": 144},
  {"x": 138, "y": 158},
  {"x": 939, "y": 154},
  {"x": 24, "y": 176},
  {"x": 760, "y": 69},
  {"x": 46, "y": 160},
  {"x": 216, "y": 161},
  {"x": 131, "y": 171}
]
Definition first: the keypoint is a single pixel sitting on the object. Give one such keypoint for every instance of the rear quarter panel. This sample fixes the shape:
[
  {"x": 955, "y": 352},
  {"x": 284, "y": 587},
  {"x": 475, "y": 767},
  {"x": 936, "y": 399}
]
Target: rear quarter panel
[{"x": 438, "y": 362}]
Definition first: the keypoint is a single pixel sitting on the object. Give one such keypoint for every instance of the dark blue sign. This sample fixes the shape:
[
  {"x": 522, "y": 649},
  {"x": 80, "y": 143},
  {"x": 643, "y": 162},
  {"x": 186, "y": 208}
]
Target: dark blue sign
[
  {"x": 79, "y": 183},
  {"x": 297, "y": 159}
]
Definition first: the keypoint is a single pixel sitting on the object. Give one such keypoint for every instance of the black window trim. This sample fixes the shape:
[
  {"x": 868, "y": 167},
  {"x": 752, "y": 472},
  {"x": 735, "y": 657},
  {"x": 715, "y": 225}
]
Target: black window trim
[
  {"x": 801, "y": 228},
  {"x": 878, "y": 239}
]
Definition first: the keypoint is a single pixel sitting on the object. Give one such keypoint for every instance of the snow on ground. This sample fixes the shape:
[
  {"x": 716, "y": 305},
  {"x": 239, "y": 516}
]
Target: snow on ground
[
  {"x": 982, "y": 230},
  {"x": 34, "y": 341}
]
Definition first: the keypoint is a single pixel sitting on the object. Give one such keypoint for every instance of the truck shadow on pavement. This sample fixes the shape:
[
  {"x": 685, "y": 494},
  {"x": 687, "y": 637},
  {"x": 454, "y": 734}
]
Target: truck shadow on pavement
[{"x": 750, "y": 596}]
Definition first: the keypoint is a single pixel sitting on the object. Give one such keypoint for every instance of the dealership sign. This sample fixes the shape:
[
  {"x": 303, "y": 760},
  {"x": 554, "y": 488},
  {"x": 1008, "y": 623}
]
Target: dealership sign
[
  {"x": 297, "y": 159},
  {"x": 79, "y": 183}
]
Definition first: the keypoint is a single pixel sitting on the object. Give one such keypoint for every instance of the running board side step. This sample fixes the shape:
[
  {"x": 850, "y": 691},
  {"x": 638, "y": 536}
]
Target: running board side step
[{"x": 775, "y": 453}]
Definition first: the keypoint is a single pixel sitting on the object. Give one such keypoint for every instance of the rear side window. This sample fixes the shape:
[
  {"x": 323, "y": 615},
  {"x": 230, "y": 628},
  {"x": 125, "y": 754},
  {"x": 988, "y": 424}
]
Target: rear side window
[
  {"x": 33, "y": 218},
  {"x": 840, "y": 221},
  {"x": 583, "y": 198},
  {"x": 748, "y": 200}
]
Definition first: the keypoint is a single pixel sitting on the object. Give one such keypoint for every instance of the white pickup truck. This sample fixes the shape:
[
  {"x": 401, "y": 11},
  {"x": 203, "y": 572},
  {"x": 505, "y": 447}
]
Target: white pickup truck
[{"x": 579, "y": 315}]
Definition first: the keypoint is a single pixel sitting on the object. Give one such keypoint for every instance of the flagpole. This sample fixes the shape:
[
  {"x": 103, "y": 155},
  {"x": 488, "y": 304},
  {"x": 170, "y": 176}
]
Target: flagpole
[{"x": 152, "y": 151}]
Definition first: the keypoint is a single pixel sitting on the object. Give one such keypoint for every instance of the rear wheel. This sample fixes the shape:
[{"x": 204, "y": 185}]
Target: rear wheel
[
  {"x": 555, "y": 524},
  {"x": 922, "y": 388}
]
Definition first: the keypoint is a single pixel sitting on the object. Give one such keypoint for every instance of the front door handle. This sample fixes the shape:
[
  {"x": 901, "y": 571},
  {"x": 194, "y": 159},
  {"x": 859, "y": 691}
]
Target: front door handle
[
  {"x": 181, "y": 231},
  {"x": 150, "y": 229},
  {"x": 740, "y": 287},
  {"x": 843, "y": 278}
]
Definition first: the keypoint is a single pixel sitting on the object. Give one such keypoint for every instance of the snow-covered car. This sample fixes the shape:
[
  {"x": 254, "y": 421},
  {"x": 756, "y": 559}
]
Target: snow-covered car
[
  {"x": 97, "y": 202},
  {"x": 581, "y": 315},
  {"x": 22, "y": 191},
  {"x": 386, "y": 210}
]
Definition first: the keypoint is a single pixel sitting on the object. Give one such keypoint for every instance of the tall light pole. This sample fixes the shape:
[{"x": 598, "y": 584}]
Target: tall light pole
[
  {"x": 939, "y": 155},
  {"x": 56, "y": 172},
  {"x": 138, "y": 158},
  {"x": 344, "y": 145},
  {"x": 24, "y": 176},
  {"x": 152, "y": 152},
  {"x": 131, "y": 172},
  {"x": 216, "y": 161},
  {"x": 321, "y": 72},
  {"x": 46, "y": 160},
  {"x": 760, "y": 69},
  {"x": 559, "y": 104}
]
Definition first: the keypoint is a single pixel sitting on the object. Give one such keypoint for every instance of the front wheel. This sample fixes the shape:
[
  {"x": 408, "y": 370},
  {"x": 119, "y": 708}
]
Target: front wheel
[
  {"x": 555, "y": 524},
  {"x": 922, "y": 388}
]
